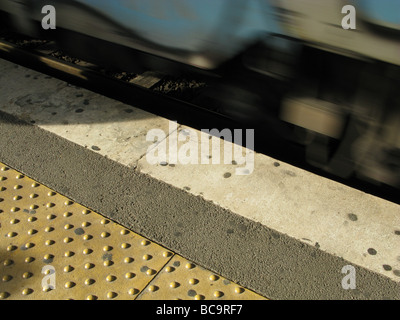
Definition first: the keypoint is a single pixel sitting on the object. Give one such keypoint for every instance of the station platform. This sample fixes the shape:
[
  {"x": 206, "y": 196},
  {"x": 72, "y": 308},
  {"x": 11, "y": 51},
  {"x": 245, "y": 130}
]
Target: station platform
[
  {"x": 57, "y": 249},
  {"x": 278, "y": 232}
]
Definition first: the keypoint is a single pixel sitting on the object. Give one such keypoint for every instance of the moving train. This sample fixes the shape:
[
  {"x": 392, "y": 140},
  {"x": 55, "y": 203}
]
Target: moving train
[{"x": 324, "y": 74}]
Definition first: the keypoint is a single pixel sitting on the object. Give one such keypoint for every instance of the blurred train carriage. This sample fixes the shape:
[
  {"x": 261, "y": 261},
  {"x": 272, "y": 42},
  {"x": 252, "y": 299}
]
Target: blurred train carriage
[{"x": 285, "y": 63}]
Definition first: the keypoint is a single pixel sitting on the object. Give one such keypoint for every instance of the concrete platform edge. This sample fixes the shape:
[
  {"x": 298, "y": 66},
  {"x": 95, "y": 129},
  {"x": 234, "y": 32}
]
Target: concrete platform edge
[{"x": 257, "y": 257}]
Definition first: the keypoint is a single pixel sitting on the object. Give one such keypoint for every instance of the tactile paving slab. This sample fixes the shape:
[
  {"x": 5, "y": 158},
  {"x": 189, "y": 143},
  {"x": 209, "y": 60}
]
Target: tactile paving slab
[
  {"x": 52, "y": 248},
  {"x": 181, "y": 279}
]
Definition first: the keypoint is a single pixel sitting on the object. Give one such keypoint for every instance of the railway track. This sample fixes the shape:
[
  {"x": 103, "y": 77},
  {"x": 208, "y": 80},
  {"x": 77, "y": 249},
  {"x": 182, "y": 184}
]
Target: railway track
[
  {"x": 144, "y": 90},
  {"x": 165, "y": 95}
]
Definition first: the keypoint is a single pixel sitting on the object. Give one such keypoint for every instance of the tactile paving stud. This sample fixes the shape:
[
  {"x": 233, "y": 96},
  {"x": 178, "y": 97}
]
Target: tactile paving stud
[
  {"x": 53, "y": 248},
  {"x": 183, "y": 280}
]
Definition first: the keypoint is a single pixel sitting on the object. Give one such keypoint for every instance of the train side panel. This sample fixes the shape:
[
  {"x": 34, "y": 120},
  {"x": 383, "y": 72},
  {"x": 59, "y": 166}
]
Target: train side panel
[
  {"x": 202, "y": 33},
  {"x": 320, "y": 23}
]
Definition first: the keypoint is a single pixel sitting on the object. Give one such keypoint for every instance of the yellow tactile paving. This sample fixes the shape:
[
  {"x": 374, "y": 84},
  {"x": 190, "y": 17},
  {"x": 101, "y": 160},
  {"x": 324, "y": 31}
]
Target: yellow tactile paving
[
  {"x": 84, "y": 255},
  {"x": 182, "y": 279},
  {"x": 53, "y": 248}
]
